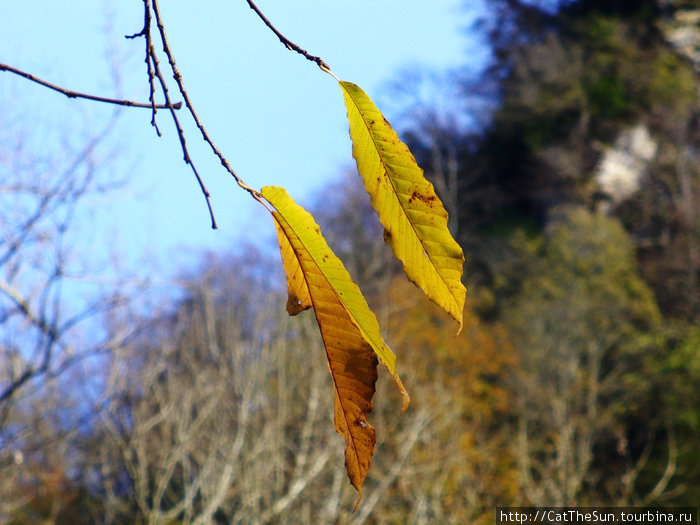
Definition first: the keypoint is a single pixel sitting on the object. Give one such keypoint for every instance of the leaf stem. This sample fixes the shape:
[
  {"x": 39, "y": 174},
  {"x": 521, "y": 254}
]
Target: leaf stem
[{"x": 328, "y": 70}]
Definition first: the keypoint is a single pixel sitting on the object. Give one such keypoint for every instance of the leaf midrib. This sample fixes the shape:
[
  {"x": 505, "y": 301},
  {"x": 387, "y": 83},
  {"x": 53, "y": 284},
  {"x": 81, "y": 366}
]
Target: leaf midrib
[
  {"x": 401, "y": 205},
  {"x": 337, "y": 387}
]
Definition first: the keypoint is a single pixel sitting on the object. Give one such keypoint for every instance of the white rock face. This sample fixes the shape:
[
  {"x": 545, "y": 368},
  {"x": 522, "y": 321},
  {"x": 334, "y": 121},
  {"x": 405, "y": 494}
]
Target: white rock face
[
  {"x": 622, "y": 167},
  {"x": 682, "y": 30}
]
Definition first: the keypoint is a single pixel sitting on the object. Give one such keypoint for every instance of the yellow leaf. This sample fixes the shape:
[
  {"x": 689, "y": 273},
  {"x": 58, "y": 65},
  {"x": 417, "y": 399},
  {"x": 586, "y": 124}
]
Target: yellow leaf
[
  {"x": 298, "y": 291},
  {"x": 414, "y": 219},
  {"x": 348, "y": 327}
]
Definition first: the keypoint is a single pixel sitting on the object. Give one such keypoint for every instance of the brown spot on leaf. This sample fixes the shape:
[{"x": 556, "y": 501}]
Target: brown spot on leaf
[
  {"x": 387, "y": 236},
  {"x": 295, "y": 305},
  {"x": 430, "y": 200}
]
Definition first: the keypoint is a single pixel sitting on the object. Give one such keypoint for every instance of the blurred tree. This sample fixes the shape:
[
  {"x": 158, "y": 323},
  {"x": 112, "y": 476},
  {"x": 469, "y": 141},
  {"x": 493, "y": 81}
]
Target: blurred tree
[
  {"x": 461, "y": 466},
  {"x": 568, "y": 84},
  {"x": 584, "y": 323},
  {"x": 575, "y": 81},
  {"x": 445, "y": 460},
  {"x": 220, "y": 411},
  {"x": 203, "y": 424},
  {"x": 49, "y": 325},
  {"x": 572, "y": 86},
  {"x": 656, "y": 420}
]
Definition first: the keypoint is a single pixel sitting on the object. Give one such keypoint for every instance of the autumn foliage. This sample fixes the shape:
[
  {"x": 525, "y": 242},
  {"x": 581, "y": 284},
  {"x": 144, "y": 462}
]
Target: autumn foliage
[{"x": 249, "y": 391}]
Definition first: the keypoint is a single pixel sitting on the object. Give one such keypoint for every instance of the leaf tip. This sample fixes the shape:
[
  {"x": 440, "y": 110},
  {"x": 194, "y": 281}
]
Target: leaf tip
[
  {"x": 359, "y": 500},
  {"x": 296, "y": 305}
]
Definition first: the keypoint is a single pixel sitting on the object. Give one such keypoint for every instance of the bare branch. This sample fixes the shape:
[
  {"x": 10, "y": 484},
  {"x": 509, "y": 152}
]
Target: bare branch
[
  {"x": 149, "y": 60},
  {"x": 75, "y": 94},
  {"x": 46, "y": 328},
  {"x": 154, "y": 71},
  {"x": 188, "y": 103},
  {"x": 183, "y": 141},
  {"x": 288, "y": 43}
]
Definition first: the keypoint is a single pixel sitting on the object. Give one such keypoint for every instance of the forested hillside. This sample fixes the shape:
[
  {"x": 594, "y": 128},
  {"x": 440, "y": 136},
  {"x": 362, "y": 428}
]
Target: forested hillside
[
  {"x": 575, "y": 195},
  {"x": 578, "y": 205}
]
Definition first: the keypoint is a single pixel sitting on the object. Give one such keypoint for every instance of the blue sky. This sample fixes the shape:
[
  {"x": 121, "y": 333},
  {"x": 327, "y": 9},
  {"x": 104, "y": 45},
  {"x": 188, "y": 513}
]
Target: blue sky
[{"x": 278, "y": 119}]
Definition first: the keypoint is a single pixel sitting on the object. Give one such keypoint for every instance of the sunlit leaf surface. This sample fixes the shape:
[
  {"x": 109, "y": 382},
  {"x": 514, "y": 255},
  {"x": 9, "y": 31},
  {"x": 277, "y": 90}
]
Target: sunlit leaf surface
[
  {"x": 348, "y": 327},
  {"x": 414, "y": 219}
]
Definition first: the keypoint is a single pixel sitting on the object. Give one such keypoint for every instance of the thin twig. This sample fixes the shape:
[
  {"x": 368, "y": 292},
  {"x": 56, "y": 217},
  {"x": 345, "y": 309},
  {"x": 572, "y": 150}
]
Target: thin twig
[
  {"x": 181, "y": 136},
  {"x": 76, "y": 94},
  {"x": 188, "y": 103},
  {"x": 46, "y": 328},
  {"x": 153, "y": 71},
  {"x": 150, "y": 53},
  {"x": 288, "y": 43}
]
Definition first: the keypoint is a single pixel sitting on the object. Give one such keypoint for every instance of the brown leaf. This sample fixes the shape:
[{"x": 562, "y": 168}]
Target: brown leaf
[{"x": 344, "y": 320}]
